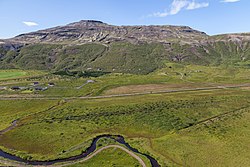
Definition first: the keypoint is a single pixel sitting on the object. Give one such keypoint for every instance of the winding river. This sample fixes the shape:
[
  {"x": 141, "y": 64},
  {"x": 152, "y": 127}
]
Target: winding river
[{"x": 118, "y": 138}]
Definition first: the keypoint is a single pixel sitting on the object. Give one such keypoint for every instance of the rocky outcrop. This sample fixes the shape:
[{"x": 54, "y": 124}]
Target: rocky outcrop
[{"x": 87, "y": 31}]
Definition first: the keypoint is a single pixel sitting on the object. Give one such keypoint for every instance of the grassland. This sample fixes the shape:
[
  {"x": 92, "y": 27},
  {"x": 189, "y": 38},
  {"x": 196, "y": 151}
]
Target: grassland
[
  {"x": 192, "y": 128},
  {"x": 16, "y": 74},
  {"x": 220, "y": 142},
  {"x": 124, "y": 57},
  {"x": 149, "y": 117},
  {"x": 174, "y": 76},
  {"x": 109, "y": 158},
  {"x": 12, "y": 110},
  {"x": 11, "y": 74}
]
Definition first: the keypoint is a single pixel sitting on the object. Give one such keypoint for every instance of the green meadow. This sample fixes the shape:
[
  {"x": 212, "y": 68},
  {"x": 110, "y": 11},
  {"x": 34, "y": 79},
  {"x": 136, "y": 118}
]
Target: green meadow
[
  {"x": 13, "y": 110},
  {"x": 109, "y": 158},
  {"x": 186, "y": 128},
  {"x": 11, "y": 74},
  {"x": 173, "y": 76},
  {"x": 147, "y": 122},
  {"x": 15, "y": 74}
]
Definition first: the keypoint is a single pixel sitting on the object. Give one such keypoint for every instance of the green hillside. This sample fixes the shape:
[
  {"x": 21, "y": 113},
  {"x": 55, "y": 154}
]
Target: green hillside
[{"x": 123, "y": 57}]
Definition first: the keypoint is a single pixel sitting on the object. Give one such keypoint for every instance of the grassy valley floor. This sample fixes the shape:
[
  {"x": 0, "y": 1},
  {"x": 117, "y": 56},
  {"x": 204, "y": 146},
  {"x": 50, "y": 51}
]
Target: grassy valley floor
[{"x": 186, "y": 128}]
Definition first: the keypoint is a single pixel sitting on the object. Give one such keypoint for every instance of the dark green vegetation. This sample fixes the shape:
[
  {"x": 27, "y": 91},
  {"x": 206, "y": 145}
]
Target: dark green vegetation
[
  {"x": 123, "y": 57},
  {"x": 119, "y": 57},
  {"x": 79, "y": 74}
]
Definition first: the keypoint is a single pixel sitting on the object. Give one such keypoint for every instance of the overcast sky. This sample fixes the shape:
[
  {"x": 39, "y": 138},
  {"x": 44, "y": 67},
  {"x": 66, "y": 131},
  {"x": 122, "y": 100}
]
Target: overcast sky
[{"x": 210, "y": 16}]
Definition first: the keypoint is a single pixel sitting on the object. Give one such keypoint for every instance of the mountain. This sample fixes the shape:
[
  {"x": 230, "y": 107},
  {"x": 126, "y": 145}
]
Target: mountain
[
  {"x": 89, "y": 31},
  {"x": 97, "y": 46}
]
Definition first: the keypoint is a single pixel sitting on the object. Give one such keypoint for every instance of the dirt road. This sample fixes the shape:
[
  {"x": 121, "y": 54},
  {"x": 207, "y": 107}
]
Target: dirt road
[
  {"x": 107, "y": 147},
  {"x": 130, "y": 94}
]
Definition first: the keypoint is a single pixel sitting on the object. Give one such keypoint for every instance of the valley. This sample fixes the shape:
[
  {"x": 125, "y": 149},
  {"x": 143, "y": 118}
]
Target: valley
[
  {"x": 164, "y": 113},
  {"x": 93, "y": 94}
]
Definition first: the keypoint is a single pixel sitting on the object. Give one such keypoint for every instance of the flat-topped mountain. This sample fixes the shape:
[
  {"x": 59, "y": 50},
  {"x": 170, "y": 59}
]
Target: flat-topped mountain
[
  {"x": 94, "y": 45},
  {"x": 87, "y": 31}
]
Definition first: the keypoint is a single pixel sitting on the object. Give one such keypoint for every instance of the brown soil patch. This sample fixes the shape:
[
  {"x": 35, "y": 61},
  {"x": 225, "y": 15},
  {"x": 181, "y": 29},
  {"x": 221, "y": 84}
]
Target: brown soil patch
[
  {"x": 149, "y": 88},
  {"x": 246, "y": 88}
]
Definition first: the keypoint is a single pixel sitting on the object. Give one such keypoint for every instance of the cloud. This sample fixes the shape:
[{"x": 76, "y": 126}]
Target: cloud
[
  {"x": 30, "y": 24},
  {"x": 228, "y": 1},
  {"x": 178, "y": 5},
  {"x": 193, "y": 5}
]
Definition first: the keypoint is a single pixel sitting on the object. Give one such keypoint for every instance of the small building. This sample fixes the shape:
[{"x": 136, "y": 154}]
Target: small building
[
  {"x": 15, "y": 88},
  {"x": 40, "y": 88},
  {"x": 51, "y": 84},
  {"x": 35, "y": 83},
  {"x": 3, "y": 87},
  {"x": 90, "y": 81},
  {"x": 23, "y": 87}
]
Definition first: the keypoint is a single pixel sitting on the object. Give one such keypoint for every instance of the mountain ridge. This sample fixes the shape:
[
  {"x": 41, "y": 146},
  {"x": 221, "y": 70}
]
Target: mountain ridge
[
  {"x": 86, "y": 31},
  {"x": 90, "y": 44}
]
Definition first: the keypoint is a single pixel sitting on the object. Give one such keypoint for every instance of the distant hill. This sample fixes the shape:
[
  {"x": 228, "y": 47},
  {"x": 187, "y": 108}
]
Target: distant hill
[{"x": 96, "y": 46}]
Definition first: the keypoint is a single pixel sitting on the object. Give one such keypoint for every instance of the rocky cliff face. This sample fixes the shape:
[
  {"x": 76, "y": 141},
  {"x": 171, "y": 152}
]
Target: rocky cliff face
[{"x": 88, "y": 31}]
